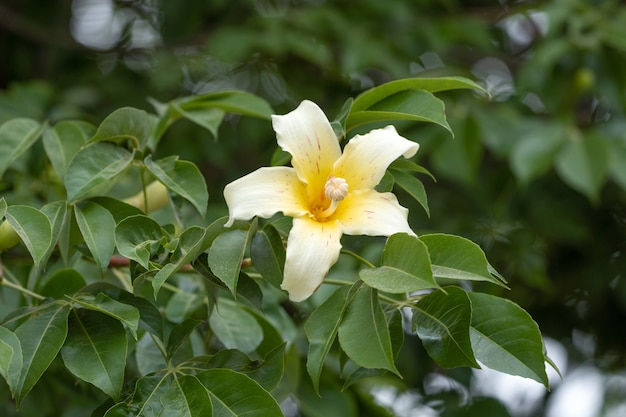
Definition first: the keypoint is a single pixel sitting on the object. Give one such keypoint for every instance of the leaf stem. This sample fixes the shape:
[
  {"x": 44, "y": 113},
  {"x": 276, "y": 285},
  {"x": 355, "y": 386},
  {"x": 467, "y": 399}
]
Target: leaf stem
[
  {"x": 19, "y": 288},
  {"x": 358, "y": 258},
  {"x": 337, "y": 282},
  {"x": 159, "y": 344},
  {"x": 170, "y": 287},
  {"x": 407, "y": 302},
  {"x": 415, "y": 298},
  {"x": 399, "y": 303},
  {"x": 5, "y": 273}
]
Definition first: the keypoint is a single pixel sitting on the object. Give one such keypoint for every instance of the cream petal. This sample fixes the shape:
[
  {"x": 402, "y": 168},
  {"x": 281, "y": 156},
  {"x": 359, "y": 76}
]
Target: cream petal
[
  {"x": 366, "y": 157},
  {"x": 307, "y": 135},
  {"x": 312, "y": 248},
  {"x": 371, "y": 213},
  {"x": 264, "y": 193}
]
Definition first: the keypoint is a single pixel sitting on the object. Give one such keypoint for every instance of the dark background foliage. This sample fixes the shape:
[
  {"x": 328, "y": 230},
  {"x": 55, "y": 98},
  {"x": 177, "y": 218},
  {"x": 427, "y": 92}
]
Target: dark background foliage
[{"x": 536, "y": 173}]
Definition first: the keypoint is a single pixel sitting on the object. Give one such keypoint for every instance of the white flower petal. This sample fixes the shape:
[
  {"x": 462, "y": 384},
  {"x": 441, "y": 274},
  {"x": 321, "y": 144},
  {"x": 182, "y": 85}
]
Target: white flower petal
[
  {"x": 312, "y": 248},
  {"x": 372, "y": 213},
  {"x": 307, "y": 135},
  {"x": 264, "y": 193},
  {"x": 366, "y": 157}
]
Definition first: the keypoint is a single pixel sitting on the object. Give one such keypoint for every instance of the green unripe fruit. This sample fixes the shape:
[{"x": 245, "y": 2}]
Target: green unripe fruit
[{"x": 584, "y": 79}]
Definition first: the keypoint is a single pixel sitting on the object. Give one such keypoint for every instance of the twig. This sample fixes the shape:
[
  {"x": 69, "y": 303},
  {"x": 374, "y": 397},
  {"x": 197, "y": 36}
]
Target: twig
[{"x": 28, "y": 29}]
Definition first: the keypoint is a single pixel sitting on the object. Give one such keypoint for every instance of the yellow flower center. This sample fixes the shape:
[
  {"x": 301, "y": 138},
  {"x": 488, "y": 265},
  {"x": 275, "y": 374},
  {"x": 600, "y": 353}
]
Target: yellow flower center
[{"x": 335, "y": 190}]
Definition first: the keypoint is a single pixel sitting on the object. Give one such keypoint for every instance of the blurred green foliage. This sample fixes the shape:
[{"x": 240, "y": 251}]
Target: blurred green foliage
[{"x": 536, "y": 173}]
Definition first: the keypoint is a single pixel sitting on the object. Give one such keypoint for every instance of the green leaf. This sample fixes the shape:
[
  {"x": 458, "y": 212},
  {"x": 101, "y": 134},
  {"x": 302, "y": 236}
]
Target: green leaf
[
  {"x": 207, "y": 110},
  {"x": 386, "y": 183},
  {"x": 340, "y": 121},
  {"x": 16, "y": 137},
  {"x": 331, "y": 401},
  {"x": 396, "y": 331},
  {"x": 138, "y": 238},
  {"x": 33, "y": 227},
  {"x": 234, "y": 326},
  {"x": 267, "y": 252},
  {"x": 166, "y": 395},
  {"x": 10, "y": 358},
  {"x": 267, "y": 372},
  {"x": 179, "y": 335},
  {"x": 505, "y": 338},
  {"x": 118, "y": 209},
  {"x": 459, "y": 160},
  {"x": 65, "y": 281},
  {"x": 364, "y": 320},
  {"x": 3, "y": 207},
  {"x": 56, "y": 213},
  {"x": 70, "y": 237},
  {"x": 217, "y": 228},
  {"x": 454, "y": 257},
  {"x": 95, "y": 350},
  {"x": 280, "y": 157},
  {"x": 485, "y": 406},
  {"x": 150, "y": 317},
  {"x": 402, "y": 164},
  {"x": 182, "y": 305},
  {"x": 63, "y": 142},
  {"x": 413, "y": 186},
  {"x": 190, "y": 245},
  {"x": 414, "y": 105},
  {"x": 272, "y": 338},
  {"x": 249, "y": 399},
  {"x": 321, "y": 330},
  {"x": 239, "y": 102},
  {"x": 98, "y": 229},
  {"x": 206, "y": 117},
  {"x": 126, "y": 125},
  {"x": 247, "y": 289},
  {"x": 368, "y": 98},
  {"x": 617, "y": 161},
  {"x": 583, "y": 164},
  {"x": 183, "y": 178},
  {"x": 533, "y": 154},
  {"x": 150, "y": 358},
  {"x": 226, "y": 254},
  {"x": 41, "y": 338},
  {"x": 94, "y": 165},
  {"x": 406, "y": 267},
  {"x": 102, "y": 303},
  {"x": 442, "y": 321}
]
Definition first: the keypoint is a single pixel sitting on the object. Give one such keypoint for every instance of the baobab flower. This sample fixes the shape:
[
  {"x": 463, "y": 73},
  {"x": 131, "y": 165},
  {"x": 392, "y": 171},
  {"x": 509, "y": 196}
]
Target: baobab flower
[{"x": 326, "y": 192}]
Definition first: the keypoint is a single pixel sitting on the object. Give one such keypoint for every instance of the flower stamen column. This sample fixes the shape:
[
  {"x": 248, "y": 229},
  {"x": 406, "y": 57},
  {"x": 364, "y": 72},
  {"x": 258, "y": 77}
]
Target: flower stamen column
[{"x": 336, "y": 189}]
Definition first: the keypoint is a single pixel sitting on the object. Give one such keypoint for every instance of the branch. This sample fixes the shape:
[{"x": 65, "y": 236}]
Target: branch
[{"x": 18, "y": 24}]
